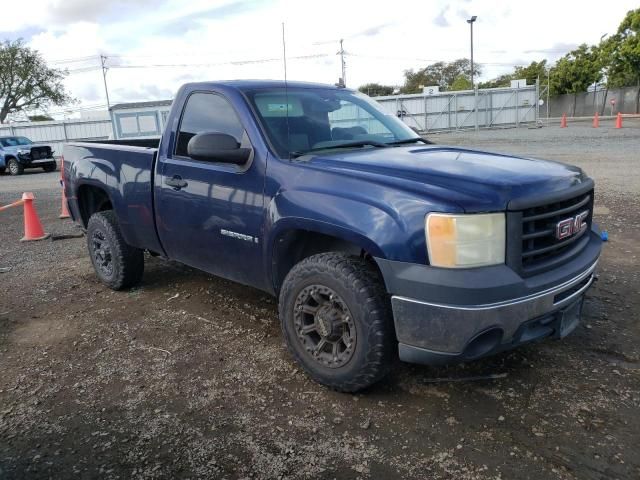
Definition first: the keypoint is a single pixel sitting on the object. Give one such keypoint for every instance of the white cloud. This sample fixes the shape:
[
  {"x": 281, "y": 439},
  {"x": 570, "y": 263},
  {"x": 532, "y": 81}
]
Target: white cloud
[{"x": 382, "y": 39}]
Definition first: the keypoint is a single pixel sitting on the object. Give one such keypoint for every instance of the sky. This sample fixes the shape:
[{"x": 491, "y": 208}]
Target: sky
[{"x": 153, "y": 46}]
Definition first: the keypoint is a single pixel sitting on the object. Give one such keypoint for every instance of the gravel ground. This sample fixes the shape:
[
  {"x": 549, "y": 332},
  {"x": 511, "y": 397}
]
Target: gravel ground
[{"x": 186, "y": 376}]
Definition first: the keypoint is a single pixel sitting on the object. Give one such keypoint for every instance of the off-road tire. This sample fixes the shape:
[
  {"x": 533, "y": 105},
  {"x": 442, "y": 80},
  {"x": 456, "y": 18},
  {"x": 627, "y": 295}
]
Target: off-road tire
[
  {"x": 359, "y": 286},
  {"x": 15, "y": 167},
  {"x": 127, "y": 262},
  {"x": 50, "y": 167}
]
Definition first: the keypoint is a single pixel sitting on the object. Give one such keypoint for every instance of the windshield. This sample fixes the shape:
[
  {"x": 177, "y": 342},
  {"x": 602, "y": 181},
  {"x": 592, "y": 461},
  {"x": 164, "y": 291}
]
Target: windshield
[
  {"x": 14, "y": 141},
  {"x": 321, "y": 119}
]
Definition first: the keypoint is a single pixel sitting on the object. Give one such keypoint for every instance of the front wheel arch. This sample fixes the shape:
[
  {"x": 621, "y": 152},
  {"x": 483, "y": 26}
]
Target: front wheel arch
[{"x": 292, "y": 246}]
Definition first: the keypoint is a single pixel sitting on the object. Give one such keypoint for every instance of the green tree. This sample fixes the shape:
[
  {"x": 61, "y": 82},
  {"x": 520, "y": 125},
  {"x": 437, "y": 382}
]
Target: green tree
[
  {"x": 622, "y": 52},
  {"x": 40, "y": 118},
  {"x": 26, "y": 82},
  {"x": 531, "y": 73},
  {"x": 442, "y": 74},
  {"x": 501, "y": 81},
  {"x": 578, "y": 69},
  {"x": 376, "y": 90},
  {"x": 461, "y": 82}
]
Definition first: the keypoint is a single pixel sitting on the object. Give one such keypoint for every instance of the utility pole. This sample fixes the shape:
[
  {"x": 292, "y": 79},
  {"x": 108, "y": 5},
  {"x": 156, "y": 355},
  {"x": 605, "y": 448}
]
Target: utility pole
[
  {"x": 595, "y": 84},
  {"x": 471, "y": 22},
  {"x": 341, "y": 53},
  {"x": 103, "y": 62},
  {"x": 548, "y": 91}
]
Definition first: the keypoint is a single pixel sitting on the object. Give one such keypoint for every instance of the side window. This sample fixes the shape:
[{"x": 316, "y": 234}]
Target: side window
[{"x": 207, "y": 112}]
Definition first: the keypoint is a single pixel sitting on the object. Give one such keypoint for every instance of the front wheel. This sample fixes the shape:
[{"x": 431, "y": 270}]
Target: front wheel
[
  {"x": 337, "y": 322},
  {"x": 117, "y": 264},
  {"x": 50, "y": 167},
  {"x": 15, "y": 168}
]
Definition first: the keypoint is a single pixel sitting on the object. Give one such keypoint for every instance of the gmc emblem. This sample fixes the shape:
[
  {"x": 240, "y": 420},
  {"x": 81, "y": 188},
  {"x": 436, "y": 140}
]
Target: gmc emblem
[{"x": 570, "y": 226}]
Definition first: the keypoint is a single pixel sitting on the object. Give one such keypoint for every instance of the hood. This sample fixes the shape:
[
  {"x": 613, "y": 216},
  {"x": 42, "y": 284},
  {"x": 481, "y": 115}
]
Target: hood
[
  {"x": 14, "y": 148},
  {"x": 474, "y": 180}
]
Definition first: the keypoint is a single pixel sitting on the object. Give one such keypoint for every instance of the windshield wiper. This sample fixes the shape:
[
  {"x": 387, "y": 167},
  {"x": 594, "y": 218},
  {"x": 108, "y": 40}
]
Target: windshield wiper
[
  {"x": 410, "y": 140},
  {"x": 358, "y": 143}
]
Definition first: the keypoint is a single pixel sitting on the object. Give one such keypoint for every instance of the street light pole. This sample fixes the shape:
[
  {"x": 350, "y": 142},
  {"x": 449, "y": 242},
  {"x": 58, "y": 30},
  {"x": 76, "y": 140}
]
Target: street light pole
[{"x": 471, "y": 22}]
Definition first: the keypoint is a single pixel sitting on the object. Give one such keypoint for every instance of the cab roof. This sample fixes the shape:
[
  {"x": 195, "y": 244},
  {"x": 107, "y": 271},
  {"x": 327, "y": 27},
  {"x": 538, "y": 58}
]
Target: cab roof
[{"x": 260, "y": 84}]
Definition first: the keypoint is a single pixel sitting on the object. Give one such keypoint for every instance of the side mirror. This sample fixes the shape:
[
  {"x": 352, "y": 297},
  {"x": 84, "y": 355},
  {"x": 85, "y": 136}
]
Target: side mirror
[{"x": 217, "y": 147}]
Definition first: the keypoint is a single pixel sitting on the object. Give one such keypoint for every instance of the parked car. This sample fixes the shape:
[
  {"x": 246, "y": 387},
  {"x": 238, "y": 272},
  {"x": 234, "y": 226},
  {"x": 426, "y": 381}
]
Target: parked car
[
  {"x": 18, "y": 153},
  {"x": 377, "y": 243}
]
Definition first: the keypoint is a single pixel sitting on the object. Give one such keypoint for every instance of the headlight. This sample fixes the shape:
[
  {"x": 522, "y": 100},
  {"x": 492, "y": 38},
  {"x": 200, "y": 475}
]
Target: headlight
[{"x": 464, "y": 241}]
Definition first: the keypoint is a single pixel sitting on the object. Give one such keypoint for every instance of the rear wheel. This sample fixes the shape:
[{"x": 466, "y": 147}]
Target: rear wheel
[
  {"x": 49, "y": 167},
  {"x": 337, "y": 322},
  {"x": 15, "y": 168},
  {"x": 117, "y": 264}
]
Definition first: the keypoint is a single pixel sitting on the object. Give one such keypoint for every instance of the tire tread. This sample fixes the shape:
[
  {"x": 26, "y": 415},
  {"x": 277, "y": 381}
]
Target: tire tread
[
  {"x": 130, "y": 260},
  {"x": 360, "y": 275}
]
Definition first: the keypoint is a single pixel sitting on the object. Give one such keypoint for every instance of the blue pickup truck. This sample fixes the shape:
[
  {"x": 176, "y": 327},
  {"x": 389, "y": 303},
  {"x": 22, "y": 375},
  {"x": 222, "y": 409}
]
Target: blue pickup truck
[
  {"x": 18, "y": 153},
  {"x": 378, "y": 244}
]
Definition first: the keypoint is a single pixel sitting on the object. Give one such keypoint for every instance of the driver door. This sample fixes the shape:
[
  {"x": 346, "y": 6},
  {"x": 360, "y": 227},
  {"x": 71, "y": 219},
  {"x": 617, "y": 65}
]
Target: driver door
[{"x": 210, "y": 214}]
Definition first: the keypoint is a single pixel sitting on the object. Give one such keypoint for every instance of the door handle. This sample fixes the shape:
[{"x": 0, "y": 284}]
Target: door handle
[{"x": 176, "y": 182}]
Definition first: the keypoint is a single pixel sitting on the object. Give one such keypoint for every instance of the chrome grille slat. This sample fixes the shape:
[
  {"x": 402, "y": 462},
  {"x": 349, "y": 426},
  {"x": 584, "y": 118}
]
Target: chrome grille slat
[
  {"x": 554, "y": 213},
  {"x": 540, "y": 249},
  {"x": 541, "y": 233},
  {"x": 556, "y": 246}
]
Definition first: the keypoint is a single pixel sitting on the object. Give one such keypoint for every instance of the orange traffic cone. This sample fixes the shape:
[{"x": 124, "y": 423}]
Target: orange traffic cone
[
  {"x": 32, "y": 227},
  {"x": 596, "y": 120},
  {"x": 563, "y": 122},
  {"x": 619, "y": 120},
  {"x": 64, "y": 210}
]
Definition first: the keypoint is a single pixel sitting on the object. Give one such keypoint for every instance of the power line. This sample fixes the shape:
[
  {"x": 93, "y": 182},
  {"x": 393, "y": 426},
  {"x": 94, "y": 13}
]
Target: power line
[
  {"x": 217, "y": 64},
  {"x": 85, "y": 108},
  {"x": 84, "y": 69},
  {"x": 73, "y": 59},
  {"x": 426, "y": 60}
]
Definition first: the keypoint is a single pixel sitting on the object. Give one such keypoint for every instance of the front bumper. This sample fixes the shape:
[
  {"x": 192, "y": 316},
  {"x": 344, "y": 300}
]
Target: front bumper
[
  {"x": 35, "y": 159},
  {"x": 37, "y": 163},
  {"x": 444, "y": 316}
]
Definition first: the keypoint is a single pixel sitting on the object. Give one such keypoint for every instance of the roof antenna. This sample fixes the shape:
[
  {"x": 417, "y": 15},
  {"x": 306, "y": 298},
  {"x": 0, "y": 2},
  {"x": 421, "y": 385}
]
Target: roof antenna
[{"x": 286, "y": 90}]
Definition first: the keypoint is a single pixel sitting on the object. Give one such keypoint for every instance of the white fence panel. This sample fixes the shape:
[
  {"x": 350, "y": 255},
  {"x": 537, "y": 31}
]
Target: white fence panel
[
  {"x": 484, "y": 108},
  {"x": 57, "y": 132}
]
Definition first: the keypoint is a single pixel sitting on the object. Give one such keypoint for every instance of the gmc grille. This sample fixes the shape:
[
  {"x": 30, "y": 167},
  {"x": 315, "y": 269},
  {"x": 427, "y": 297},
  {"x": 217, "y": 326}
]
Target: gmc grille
[{"x": 540, "y": 249}]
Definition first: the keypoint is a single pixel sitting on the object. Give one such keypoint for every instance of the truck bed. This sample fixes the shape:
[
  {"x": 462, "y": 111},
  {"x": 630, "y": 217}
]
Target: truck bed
[
  {"x": 151, "y": 142},
  {"x": 126, "y": 169}
]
